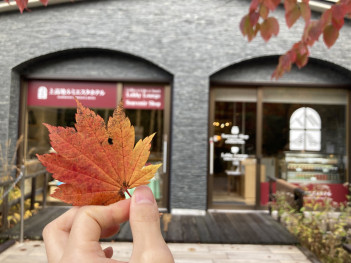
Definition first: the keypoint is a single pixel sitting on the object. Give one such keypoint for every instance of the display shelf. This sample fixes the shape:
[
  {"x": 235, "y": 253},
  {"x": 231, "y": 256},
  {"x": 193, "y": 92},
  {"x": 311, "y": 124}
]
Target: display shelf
[
  {"x": 314, "y": 181},
  {"x": 312, "y": 176},
  {"x": 311, "y": 168}
]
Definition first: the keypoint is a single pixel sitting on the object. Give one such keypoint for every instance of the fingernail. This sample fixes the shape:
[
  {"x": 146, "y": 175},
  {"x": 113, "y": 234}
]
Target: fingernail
[{"x": 144, "y": 195}]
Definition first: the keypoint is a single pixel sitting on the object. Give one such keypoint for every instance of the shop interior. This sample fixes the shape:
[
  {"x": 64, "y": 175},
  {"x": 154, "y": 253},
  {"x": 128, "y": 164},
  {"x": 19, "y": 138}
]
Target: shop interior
[
  {"x": 145, "y": 122},
  {"x": 303, "y": 142}
]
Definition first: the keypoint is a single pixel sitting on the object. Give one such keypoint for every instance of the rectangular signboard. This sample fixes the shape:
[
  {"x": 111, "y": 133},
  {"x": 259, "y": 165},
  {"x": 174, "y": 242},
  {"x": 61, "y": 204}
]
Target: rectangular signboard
[
  {"x": 143, "y": 97},
  {"x": 49, "y": 93}
]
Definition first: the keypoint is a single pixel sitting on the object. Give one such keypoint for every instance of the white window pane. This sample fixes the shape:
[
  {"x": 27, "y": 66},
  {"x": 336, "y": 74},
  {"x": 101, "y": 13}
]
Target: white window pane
[
  {"x": 313, "y": 120},
  {"x": 297, "y": 140},
  {"x": 313, "y": 140},
  {"x": 297, "y": 120}
]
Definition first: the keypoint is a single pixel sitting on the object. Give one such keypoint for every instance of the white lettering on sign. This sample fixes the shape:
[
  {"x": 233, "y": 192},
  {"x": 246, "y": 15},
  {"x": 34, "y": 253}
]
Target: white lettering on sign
[
  {"x": 78, "y": 97},
  {"x": 76, "y": 92},
  {"x": 235, "y": 138},
  {"x": 42, "y": 93},
  {"x": 153, "y": 103},
  {"x": 233, "y": 157},
  {"x": 132, "y": 94},
  {"x": 143, "y": 98},
  {"x": 152, "y": 94},
  {"x": 135, "y": 103},
  {"x": 63, "y": 93}
]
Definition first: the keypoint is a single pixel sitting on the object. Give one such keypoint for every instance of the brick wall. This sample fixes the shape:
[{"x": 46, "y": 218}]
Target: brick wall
[{"x": 189, "y": 39}]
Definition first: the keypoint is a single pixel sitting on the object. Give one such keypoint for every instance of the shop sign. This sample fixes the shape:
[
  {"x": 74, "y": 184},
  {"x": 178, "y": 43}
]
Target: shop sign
[
  {"x": 62, "y": 94},
  {"x": 235, "y": 137},
  {"x": 143, "y": 97},
  {"x": 336, "y": 192},
  {"x": 231, "y": 157}
]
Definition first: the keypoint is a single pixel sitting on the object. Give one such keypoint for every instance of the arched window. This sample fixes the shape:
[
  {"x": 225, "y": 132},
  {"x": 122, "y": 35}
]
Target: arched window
[{"x": 305, "y": 130}]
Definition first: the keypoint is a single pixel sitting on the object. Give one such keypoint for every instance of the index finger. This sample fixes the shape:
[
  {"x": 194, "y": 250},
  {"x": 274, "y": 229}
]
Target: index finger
[
  {"x": 56, "y": 233},
  {"x": 93, "y": 222}
]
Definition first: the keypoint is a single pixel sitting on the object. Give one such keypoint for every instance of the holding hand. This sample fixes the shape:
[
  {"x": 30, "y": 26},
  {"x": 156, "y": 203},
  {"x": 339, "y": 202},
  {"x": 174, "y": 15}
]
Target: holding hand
[{"x": 74, "y": 236}]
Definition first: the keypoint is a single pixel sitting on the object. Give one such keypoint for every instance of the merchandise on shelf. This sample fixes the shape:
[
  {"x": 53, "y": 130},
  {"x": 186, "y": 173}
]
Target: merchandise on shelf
[{"x": 311, "y": 168}]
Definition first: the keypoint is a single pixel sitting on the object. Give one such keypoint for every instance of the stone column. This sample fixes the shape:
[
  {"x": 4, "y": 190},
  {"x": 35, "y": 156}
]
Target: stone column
[{"x": 189, "y": 131}]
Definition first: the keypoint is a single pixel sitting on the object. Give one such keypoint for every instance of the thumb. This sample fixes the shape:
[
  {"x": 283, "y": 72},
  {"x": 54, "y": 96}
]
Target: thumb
[{"x": 148, "y": 243}]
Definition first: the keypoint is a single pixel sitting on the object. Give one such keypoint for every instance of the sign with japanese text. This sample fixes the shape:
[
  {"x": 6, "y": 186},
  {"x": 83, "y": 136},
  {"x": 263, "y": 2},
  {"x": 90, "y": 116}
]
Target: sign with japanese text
[
  {"x": 143, "y": 97},
  {"x": 62, "y": 93}
]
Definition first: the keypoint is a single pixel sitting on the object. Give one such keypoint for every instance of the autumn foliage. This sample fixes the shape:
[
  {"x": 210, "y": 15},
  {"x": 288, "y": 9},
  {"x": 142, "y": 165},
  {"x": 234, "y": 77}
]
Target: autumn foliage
[
  {"x": 258, "y": 19},
  {"x": 97, "y": 163},
  {"x": 22, "y": 4},
  {"x": 331, "y": 21}
]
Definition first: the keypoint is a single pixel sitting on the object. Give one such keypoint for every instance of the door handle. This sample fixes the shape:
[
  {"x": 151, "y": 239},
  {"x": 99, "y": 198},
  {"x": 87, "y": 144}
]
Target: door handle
[
  {"x": 211, "y": 155},
  {"x": 164, "y": 166}
]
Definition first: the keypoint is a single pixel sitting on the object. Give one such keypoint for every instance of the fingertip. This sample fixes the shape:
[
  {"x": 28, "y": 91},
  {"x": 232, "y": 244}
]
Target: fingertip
[
  {"x": 143, "y": 207},
  {"x": 144, "y": 218},
  {"x": 143, "y": 195}
]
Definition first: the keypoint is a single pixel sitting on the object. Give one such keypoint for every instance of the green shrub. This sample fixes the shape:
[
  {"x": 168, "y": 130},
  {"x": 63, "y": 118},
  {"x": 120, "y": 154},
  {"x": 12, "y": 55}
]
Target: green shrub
[{"x": 322, "y": 225}]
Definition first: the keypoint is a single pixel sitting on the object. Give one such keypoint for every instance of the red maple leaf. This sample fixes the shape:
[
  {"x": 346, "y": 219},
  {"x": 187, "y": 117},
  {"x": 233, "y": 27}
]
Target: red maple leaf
[{"x": 97, "y": 164}]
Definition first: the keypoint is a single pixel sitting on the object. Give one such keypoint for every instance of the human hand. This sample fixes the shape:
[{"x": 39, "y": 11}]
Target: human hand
[{"x": 74, "y": 236}]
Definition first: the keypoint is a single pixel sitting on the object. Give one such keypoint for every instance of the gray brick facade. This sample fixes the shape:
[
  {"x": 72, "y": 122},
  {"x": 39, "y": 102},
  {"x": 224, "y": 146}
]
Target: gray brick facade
[{"x": 186, "y": 43}]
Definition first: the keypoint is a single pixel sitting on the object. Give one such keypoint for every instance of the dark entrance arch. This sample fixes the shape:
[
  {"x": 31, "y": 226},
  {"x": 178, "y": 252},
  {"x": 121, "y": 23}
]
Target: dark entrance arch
[
  {"x": 94, "y": 65},
  {"x": 244, "y": 94}
]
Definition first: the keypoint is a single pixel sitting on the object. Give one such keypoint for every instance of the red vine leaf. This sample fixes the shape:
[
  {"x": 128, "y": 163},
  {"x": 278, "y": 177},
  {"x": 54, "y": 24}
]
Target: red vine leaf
[
  {"x": 292, "y": 14},
  {"x": 338, "y": 14},
  {"x": 330, "y": 35},
  {"x": 302, "y": 53},
  {"x": 269, "y": 27},
  {"x": 22, "y": 4},
  {"x": 254, "y": 4},
  {"x": 264, "y": 11},
  {"x": 271, "y": 4},
  {"x": 305, "y": 11},
  {"x": 44, "y": 2},
  {"x": 329, "y": 24},
  {"x": 247, "y": 27}
]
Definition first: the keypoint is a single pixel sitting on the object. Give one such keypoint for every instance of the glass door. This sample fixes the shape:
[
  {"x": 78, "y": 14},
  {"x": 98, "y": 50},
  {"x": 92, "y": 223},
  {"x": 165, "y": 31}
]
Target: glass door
[
  {"x": 148, "y": 108},
  {"x": 305, "y": 138},
  {"x": 233, "y": 148}
]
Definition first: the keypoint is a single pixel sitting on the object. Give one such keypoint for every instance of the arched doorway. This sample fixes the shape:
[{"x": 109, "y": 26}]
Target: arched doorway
[
  {"x": 99, "y": 79},
  {"x": 243, "y": 99}
]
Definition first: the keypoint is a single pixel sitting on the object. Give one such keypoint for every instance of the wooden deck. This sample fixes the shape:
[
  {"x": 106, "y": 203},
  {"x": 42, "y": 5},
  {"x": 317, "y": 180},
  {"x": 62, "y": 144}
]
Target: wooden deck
[{"x": 217, "y": 228}]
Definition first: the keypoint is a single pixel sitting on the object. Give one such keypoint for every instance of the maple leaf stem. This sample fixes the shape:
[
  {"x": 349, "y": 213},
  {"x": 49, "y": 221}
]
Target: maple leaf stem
[{"x": 128, "y": 193}]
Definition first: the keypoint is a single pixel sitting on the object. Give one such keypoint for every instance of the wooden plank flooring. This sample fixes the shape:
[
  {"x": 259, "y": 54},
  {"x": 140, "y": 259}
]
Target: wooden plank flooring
[{"x": 217, "y": 228}]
